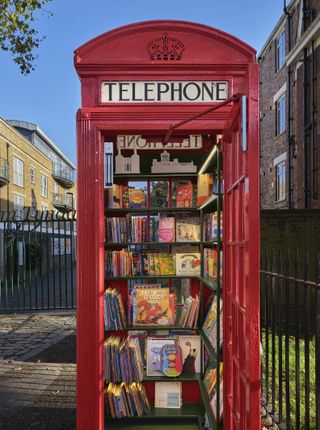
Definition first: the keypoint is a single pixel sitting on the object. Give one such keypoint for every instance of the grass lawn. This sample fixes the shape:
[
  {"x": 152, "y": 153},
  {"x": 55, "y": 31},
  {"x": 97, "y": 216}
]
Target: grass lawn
[{"x": 297, "y": 356}]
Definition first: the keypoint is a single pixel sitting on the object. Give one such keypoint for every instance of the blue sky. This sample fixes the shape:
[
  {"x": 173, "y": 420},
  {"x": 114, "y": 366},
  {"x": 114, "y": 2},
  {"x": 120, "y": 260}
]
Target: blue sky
[{"x": 50, "y": 96}]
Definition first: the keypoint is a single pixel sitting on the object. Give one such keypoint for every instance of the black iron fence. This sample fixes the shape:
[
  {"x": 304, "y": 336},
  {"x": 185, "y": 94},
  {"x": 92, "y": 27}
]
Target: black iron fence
[
  {"x": 37, "y": 260},
  {"x": 290, "y": 335}
]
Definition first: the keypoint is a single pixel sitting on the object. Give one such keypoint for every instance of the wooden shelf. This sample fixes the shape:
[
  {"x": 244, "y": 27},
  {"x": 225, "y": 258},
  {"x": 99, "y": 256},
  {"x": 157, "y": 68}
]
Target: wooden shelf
[
  {"x": 155, "y": 210},
  {"x": 184, "y": 378},
  {"x": 112, "y": 244},
  {"x": 187, "y": 410},
  {"x": 155, "y": 176},
  {"x": 132, "y": 278}
]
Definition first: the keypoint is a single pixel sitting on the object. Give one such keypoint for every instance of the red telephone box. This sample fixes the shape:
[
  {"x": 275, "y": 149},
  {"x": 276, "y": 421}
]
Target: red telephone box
[{"x": 160, "y": 78}]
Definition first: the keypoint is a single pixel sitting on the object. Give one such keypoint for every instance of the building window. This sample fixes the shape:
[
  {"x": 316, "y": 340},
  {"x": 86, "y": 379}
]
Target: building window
[
  {"x": 43, "y": 185},
  {"x": 281, "y": 115},
  {"x": 280, "y": 50},
  {"x": 281, "y": 181},
  {"x": 18, "y": 168},
  {"x": 32, "y": 175},
  {"x": 33, "y": 206},
  {"x": 18, "y": 206}
]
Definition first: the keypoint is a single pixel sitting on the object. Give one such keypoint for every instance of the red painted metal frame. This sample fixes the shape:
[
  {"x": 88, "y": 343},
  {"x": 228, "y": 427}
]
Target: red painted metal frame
[{"x": 121, "y": 55}]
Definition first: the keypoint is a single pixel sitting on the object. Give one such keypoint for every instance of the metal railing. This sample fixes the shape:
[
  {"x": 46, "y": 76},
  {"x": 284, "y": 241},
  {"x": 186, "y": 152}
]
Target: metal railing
[
  {"x": 4, "y": 171},
  {"x": 63, "y": 173},
  {"x": 37, "y": 261},
  {"x": 62, "y": 201},
  {"x": 290, "y": 336}
]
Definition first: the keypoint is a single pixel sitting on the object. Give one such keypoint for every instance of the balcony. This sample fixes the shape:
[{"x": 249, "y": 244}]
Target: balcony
[
  {"x": 63, "y": 175},
  {"x": 4, "y": 172},
  {"x": 62, "y": 202}
]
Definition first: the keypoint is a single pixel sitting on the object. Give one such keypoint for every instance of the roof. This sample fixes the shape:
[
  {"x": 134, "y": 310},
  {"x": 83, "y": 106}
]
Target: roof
[{"x": 35, "y": 128}]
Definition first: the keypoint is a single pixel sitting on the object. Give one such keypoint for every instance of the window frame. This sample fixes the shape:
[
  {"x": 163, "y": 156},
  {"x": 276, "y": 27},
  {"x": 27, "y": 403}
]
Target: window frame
[
  {"x": 18, "y": 208},
  {"x": 32, "y": 175},
  {"x": 281, "y": 124},
  {"x": 18, "y": 177},
  {"x": 280, "y": 187},
  {"x": 44, "y": 188},
  {"x": 280, "y": 45}
]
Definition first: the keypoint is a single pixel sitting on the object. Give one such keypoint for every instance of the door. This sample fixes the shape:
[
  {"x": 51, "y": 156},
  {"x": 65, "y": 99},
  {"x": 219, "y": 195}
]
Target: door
[{"x": 241, "y": 287}]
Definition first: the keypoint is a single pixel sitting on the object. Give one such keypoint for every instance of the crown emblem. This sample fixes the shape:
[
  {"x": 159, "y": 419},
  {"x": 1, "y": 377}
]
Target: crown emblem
[{"x": 165, "y": 48}]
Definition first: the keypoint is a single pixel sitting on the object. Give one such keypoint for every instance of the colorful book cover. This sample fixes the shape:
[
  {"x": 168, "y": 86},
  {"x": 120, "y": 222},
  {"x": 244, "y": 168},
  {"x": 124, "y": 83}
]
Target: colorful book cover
[
  {"x": 168, "y": 395},
  {"x": 188, "y": 264},
  {"x": 154, "y": 347},
  {"x": 204, "y": 189},
  {"x": 210, "y": 327},
  {"x": 188, "y": 230},
  {"x": 167, "y": 264},
  {"x": 137, "y": 198},
  {"x": 191, "y": 353},
  {"x": 213, "y": 401},
  {"x": 125, "y": 196},
  {"x": 184, "y": 195},
  {"x": 153, "y": 306},
  {"x": 116, "y": 196},
  {"x": 167, "y": 229}
]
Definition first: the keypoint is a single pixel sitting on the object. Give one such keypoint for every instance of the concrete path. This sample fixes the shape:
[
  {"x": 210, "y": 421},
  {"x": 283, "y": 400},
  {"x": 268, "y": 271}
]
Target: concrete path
[{"x": 35, "y": 396}]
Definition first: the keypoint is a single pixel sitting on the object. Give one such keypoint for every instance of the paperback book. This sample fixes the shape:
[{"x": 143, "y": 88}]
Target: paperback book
[
  {"x": 191, "y": 353},
  {"x": 153, "y": 305},
  {"x": 114, "y": 311},
  {"x": 154, "y": 347},
  {"x": 166, "y": 229},
  {"x": 188, "y": 230},
  {"x": 168, "y": 395},
  {"x": 184, "y": 195},
  {"x": 188, "y": 264},
  {"x": 210, "y": 326},
  {"x": 126, "y": 400}
]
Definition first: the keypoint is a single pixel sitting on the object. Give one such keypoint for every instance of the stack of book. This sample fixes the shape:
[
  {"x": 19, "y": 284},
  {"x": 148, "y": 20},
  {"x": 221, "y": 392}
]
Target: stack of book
[
  {"x": 114, "y": 312},
  {"x": 210, "y": 260},
  {"x": 126, "y": 400},
  {"x": 210, "y": 382},
  {"x": 190, "y": 312},
  {"x": 210, "y": 326},
  {"x": 132, "y": 229},
  {"x": 210, "y": 227},
  {"x": 118, "y": 263},
  {"x": 123, "y": 360},
  {"x": 151, "y": 304}
]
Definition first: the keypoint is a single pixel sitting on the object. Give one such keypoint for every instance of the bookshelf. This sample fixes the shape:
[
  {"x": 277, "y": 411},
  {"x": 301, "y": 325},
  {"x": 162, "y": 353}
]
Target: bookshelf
[{"x": 196, "y": 400}]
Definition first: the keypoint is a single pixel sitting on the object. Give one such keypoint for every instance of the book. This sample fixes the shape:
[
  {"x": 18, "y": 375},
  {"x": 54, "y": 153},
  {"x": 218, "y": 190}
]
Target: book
[
  {"x": 210, "y": 382},
  {"x": 154, "y": 347},
  {"x": 137, "y": 198},
  {"x": 126, "y": 400},
  {"x": 168, "y": 395},
  {"x": 167, "y": 229},
  {"x": 114, "y": 311},
  {"x": 167, "y": 264},
  {"x": 191, "y": 353},
  {"x": 153, "y": 305},
  {"x": 205, "y": 187},
  {"x": 188, "y": 229},
  {"x": 123, "y": 360},
  {"x": 116, "y": 196},
  {"x": 190, "y": 312},
  {"x": 184, "y": 195},
  {"x": 188, "y": 264},
  {"x": 210, "y": 226},
  {"x": 159, "y": 194},
  {"x": 210, "y": 327}
]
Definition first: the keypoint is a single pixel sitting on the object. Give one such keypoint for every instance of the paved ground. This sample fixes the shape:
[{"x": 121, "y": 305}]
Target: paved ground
[{"x": 37, "y": 371}]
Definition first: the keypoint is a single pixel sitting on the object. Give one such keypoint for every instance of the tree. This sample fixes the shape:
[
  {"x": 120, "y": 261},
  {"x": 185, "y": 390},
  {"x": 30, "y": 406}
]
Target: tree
[{"x": 17, "y": 33}]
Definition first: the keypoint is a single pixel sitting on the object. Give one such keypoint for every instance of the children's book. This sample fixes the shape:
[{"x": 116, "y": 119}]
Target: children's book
[
  {"x": 213, "y": 401},
  {"x": 116, "y": 196},
  {"x": 204, "y": 189},
  {"x": 168, "y": 395},
  {"x": 210, "y": 327},
  {"x": 188, "y": 230},
  {"x": 167, "y": 266},
  {"x": 188, "y": 264},
  {"x": 191, "y": 353},
  {"x": 153, "y": 306},
  {"x": 184, "y": 195},
  {"x": 154, "y": 347},
  {"x": 166, "y": 229},
  {"x": 137, "y": 198}
]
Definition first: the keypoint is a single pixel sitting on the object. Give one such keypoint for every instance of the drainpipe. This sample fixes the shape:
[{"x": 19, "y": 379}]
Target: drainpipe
[
  {"x": 289, "y": 112},
  {"x": 314, "y": 128},
  {"x": 306, "y": 128}
]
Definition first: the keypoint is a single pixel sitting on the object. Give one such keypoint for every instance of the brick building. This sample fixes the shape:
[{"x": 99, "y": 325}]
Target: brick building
[
  {"x": 289, "y": 114},
  {"x": 34, "y": 173}
]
